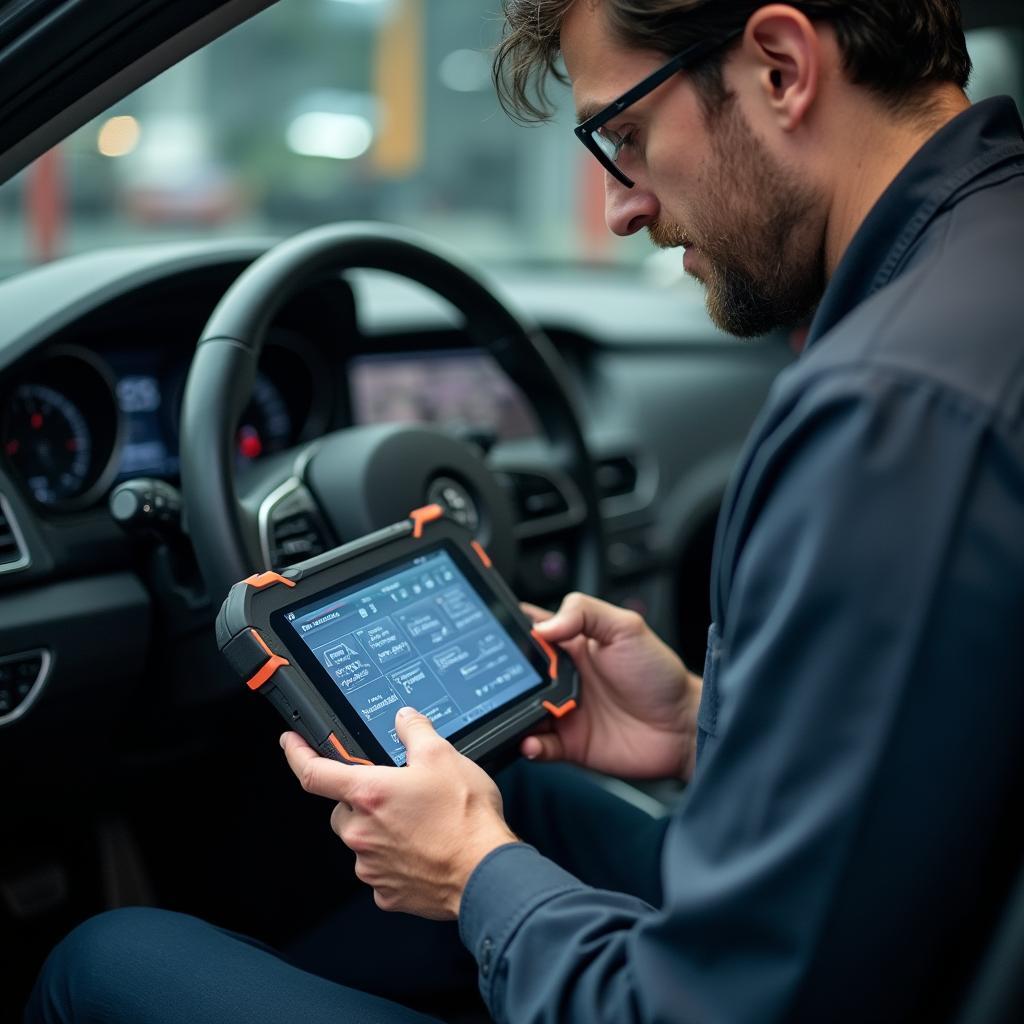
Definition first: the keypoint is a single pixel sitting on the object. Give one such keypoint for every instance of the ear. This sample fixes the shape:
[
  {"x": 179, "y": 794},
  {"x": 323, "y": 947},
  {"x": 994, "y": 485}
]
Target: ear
[{"x": 786, "y": 52}]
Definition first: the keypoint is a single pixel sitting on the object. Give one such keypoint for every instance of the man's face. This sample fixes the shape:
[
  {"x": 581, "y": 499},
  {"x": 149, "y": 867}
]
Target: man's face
[{"x": 753, "y": 230}]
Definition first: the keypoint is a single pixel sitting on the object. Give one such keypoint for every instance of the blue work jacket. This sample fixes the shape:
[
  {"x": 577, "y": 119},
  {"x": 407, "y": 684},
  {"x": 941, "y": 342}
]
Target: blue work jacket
[{"x": 855, "y": 819}]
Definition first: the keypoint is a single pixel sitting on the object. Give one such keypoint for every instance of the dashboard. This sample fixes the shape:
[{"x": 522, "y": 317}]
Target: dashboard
[
  {"x": 80, "y": 419},
  {"x": 94, "y": 354}
]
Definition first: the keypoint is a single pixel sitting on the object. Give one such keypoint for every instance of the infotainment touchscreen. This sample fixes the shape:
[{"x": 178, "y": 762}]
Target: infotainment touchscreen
[{"x": 418, "y": 633}]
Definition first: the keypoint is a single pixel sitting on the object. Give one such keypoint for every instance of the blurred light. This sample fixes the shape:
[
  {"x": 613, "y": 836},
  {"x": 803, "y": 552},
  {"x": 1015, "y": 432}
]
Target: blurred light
[
  {"x": 465, "y": 71},
  {"x": 337, "y": 136},
  {"x": 118, "y": 136},
  {"x": 173, "y": 148}
]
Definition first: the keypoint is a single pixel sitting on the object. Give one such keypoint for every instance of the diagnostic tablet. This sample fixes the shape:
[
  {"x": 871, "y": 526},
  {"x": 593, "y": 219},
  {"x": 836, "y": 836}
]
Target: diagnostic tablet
[{"x": 412, "y": 614}]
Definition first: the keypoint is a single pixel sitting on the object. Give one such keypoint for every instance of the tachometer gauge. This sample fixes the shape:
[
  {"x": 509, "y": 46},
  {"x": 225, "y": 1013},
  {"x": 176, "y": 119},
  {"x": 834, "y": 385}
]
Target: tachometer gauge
[{"x": 48, "y": 441}]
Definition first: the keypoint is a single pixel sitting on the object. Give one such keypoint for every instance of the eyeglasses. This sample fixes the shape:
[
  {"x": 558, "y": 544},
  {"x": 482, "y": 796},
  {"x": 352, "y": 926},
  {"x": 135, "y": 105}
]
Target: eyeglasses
[{"x": 606, "y": 144}]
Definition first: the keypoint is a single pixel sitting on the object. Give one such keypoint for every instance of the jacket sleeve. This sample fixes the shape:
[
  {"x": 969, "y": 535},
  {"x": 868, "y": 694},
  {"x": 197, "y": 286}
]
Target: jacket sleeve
[{"x": 870, "y": 549}]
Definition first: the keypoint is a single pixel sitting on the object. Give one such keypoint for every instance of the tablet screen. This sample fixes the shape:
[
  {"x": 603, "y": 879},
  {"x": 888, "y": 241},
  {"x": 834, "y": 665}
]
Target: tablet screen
[{"x": 420, "y": 634}]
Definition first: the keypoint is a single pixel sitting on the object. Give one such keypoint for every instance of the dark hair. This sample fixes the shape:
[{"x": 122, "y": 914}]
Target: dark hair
[{"x": 892, "y": 47}]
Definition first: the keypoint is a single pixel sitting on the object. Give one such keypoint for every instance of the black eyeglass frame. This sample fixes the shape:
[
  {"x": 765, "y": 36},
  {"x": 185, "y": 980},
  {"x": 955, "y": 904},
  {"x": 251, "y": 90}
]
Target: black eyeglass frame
[{"x": 680, "y": 62}]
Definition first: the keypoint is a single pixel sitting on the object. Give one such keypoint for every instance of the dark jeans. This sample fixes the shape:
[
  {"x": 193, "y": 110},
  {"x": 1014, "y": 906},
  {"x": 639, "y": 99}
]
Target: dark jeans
[{"x": 149, "y": 966}]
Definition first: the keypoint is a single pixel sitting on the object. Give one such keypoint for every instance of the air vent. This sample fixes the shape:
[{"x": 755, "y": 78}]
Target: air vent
[
  {"x": 616, "y": 477},
  {"x": 535, "y": 496},
  {"x": 13, "y": 554}
]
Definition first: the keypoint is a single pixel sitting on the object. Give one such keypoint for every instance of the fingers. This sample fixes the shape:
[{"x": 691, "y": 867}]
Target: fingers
[
  {"x": 320, "y": 775},
  {"x": 543, "y": 747},
  {"x": 590, "y": 617}
]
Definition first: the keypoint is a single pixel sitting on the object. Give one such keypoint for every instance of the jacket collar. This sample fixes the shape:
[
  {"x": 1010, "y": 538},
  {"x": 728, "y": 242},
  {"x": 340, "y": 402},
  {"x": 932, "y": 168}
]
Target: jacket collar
[{"x": 972, "y": 144}]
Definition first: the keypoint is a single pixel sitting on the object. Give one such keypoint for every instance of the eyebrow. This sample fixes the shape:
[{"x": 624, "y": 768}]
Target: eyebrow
[{"x": 588, "y": 110}]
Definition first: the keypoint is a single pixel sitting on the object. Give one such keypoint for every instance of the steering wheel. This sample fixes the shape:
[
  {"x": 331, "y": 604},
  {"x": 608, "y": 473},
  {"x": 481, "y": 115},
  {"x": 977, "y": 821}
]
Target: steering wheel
[{"x": 362, "y": 478}]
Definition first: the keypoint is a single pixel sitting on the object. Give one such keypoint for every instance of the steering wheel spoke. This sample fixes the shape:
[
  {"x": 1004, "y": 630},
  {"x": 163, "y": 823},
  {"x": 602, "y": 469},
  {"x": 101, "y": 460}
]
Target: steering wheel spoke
[
  {"x": 291, "y": 526},
  {"x": 281, "y": 514}
]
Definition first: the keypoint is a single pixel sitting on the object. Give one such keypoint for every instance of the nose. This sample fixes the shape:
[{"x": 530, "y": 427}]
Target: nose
[{"x": 628, "y": 210}]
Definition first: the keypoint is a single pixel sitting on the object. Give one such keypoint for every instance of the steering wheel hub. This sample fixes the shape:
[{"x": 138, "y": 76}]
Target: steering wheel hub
[{"x": 367, "y": 477}]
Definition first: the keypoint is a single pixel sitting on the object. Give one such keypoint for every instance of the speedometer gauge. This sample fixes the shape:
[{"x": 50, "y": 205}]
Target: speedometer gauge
[
  {"x": 48, "y": 440},
  {"x": 60, "y": 431}
]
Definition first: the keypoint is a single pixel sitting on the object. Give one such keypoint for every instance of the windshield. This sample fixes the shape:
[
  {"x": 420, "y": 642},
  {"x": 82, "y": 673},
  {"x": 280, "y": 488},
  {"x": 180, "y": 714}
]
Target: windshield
[{"x": 329, "y": 110}]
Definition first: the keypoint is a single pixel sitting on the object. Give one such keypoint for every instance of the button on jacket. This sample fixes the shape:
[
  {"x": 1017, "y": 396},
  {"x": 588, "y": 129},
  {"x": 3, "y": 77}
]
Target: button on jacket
[{"x": 855, "y": 818}]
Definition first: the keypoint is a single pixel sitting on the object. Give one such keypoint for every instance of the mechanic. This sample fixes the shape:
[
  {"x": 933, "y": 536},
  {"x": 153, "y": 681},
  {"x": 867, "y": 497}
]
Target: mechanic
[{"x": 853, "y": 822}]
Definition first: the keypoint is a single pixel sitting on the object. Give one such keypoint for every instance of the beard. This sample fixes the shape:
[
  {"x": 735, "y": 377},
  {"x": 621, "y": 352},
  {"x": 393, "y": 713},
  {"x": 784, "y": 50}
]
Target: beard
[{"x": 762, "y": 248}]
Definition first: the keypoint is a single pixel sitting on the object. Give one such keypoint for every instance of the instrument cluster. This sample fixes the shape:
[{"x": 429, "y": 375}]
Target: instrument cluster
[{"x": 78, "y": 420}]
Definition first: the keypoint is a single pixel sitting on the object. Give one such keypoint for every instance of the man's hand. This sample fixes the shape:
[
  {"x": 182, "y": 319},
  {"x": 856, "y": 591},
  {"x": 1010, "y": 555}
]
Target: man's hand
[
  {"x": 638, "y": 707},
  {"x": 417, "y": 832}
]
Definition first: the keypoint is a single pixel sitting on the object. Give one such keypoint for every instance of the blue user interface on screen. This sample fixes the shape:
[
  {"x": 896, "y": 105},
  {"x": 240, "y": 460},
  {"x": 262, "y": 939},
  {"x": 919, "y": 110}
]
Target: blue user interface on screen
[{"x": 420, "y": 635}]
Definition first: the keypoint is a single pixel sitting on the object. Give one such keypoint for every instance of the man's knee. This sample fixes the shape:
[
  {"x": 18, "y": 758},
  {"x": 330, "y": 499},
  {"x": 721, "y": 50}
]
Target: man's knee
[{"x": 81, "y": 978}]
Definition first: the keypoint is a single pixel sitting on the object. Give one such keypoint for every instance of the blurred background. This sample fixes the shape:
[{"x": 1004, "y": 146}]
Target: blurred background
[{"x": 325, "y": 110}]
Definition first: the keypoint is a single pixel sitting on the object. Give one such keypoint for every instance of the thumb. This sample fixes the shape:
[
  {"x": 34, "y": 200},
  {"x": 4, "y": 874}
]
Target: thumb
[
  {"x": 566, "y": 624},
  {"x": 591, "y": 617},
  {"x": 414, "y": 729}
]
